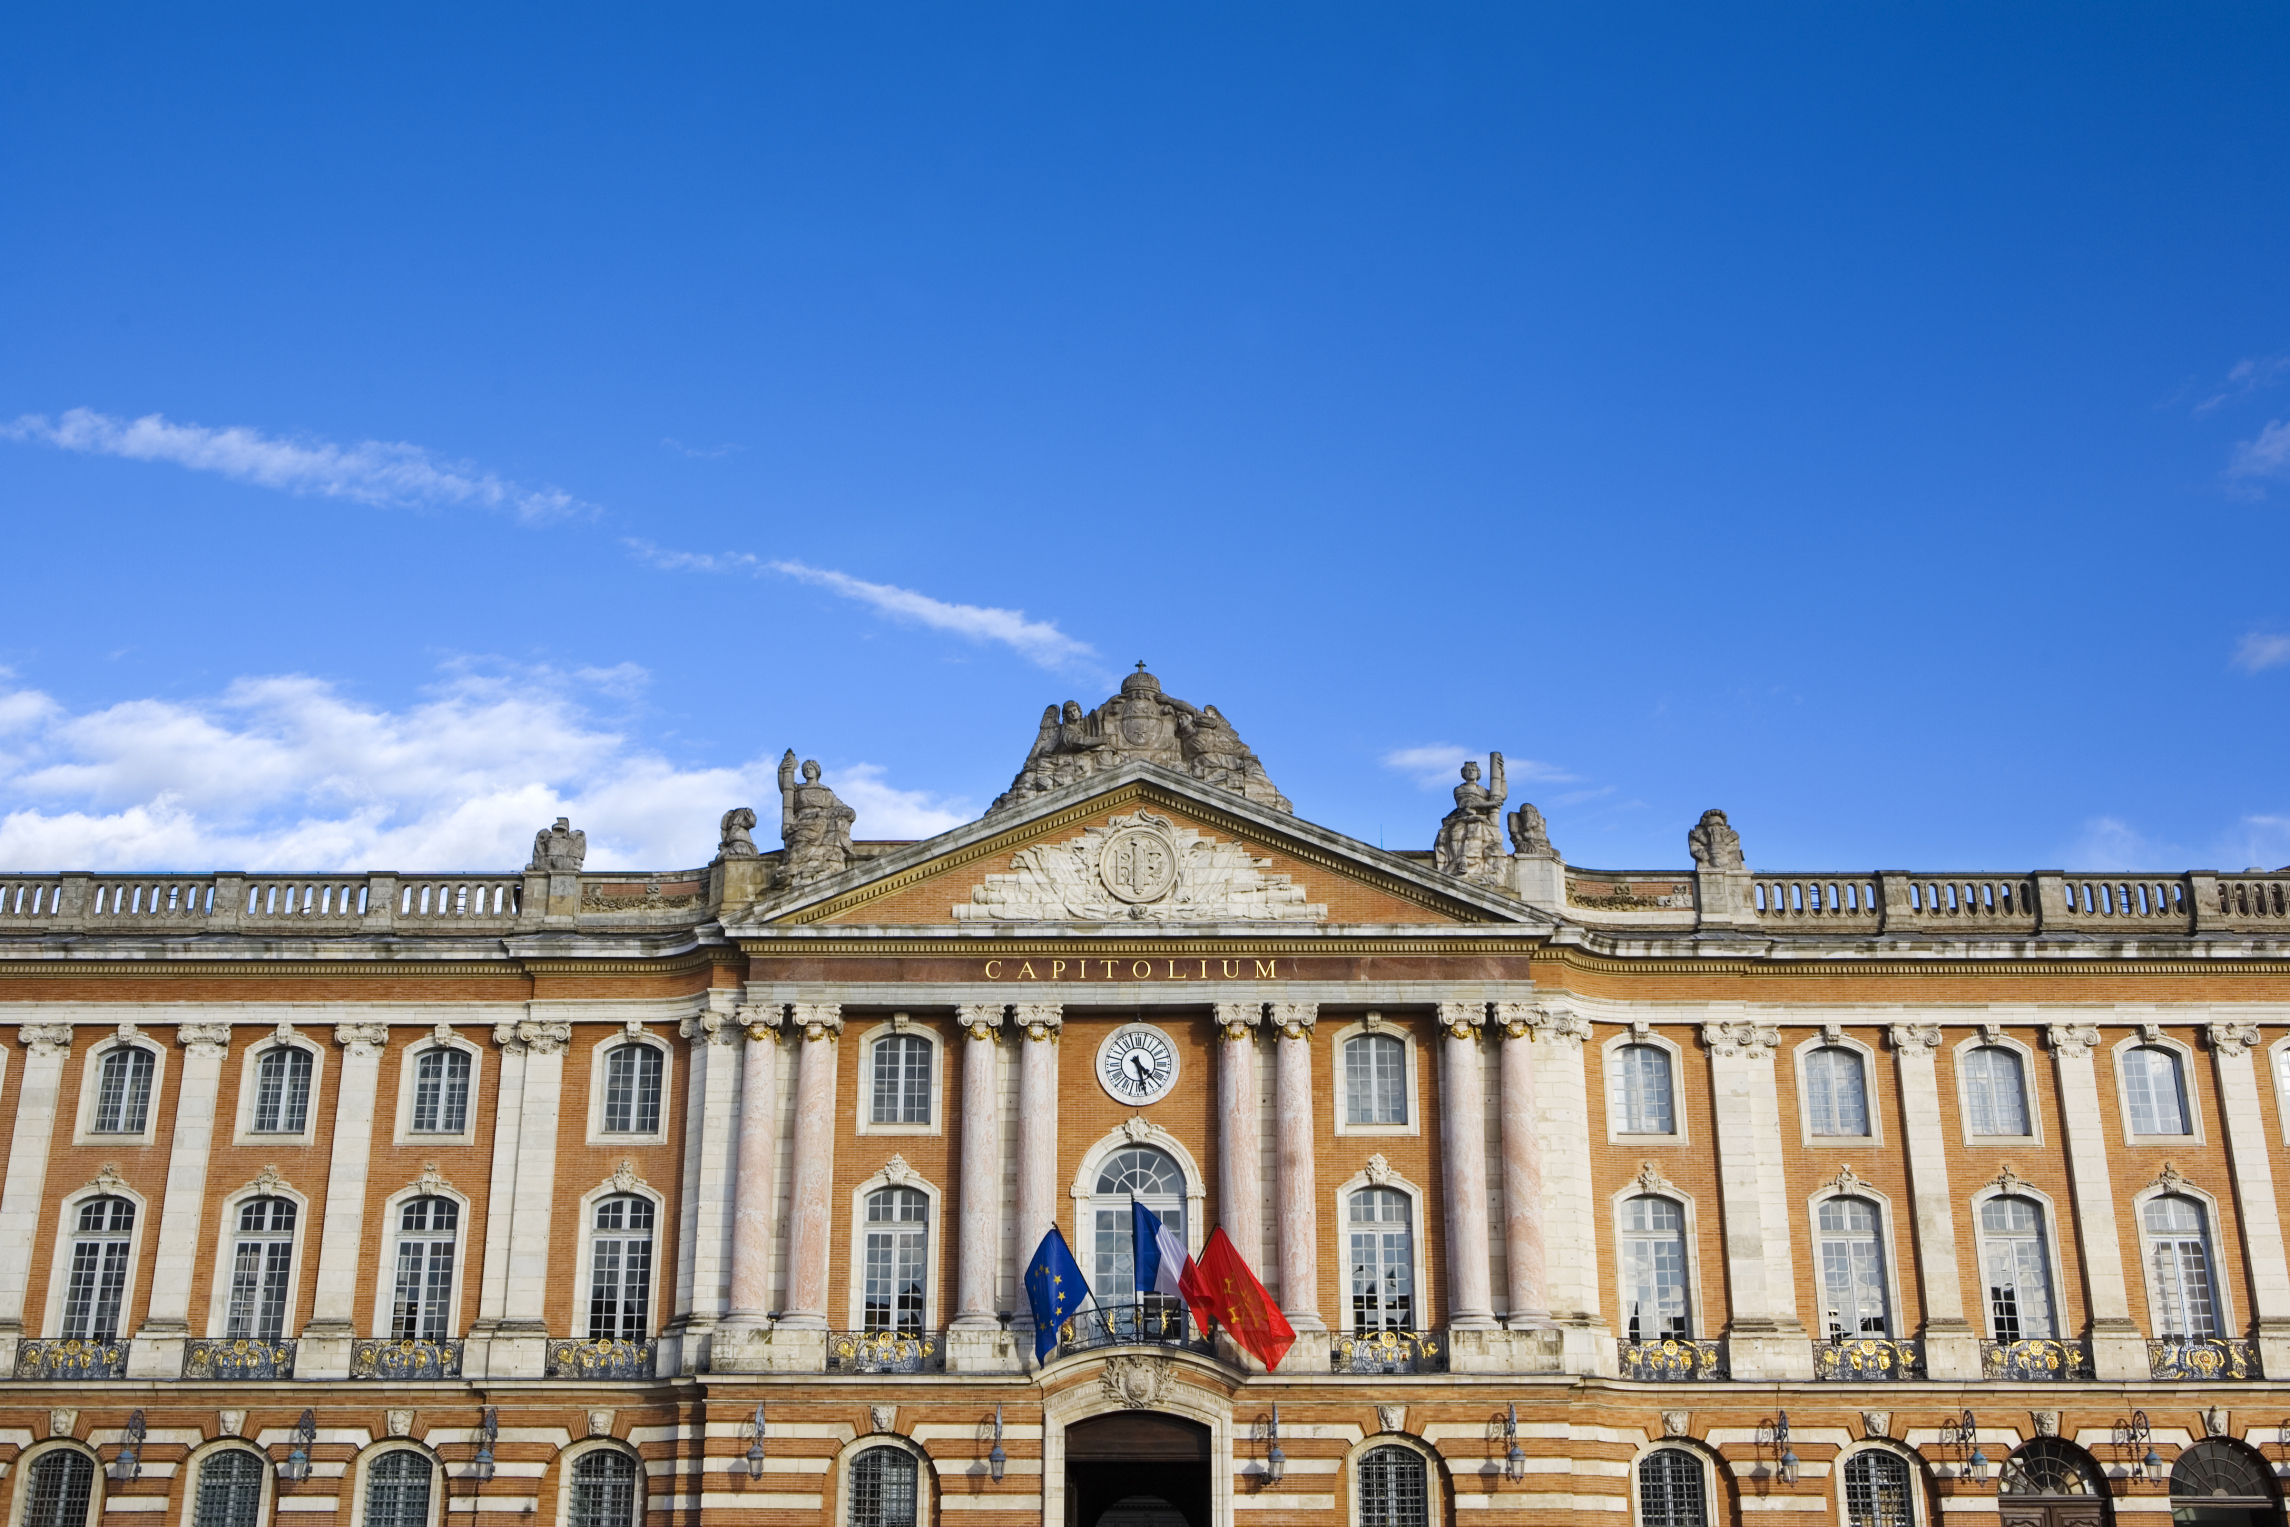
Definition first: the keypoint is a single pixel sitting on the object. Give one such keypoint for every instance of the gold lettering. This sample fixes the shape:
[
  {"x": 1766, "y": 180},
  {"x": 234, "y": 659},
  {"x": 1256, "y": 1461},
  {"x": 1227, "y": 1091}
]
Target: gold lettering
[
  {"x": 1026, "y": 971},
  {"x": 1173, "y": 972},
  {"x": 1228, "y": 970},
  {"x": 1268, "y": 968},
  {"x": 1057, "y": 970},
  {"x": 993, "y": 970},
  {"x": 1142, "y": 970},
  {"x": 1204, "y": 970},
  {"x": 1108, "y": 970}
]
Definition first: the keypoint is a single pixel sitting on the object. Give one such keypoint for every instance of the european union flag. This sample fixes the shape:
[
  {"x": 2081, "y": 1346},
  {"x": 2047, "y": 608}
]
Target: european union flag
[{"x": 1055, "y": 1289}]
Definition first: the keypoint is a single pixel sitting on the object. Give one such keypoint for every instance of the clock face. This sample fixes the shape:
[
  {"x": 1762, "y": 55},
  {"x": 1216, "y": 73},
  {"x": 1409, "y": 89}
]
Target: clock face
[{"x": 1137, "y": 1064}]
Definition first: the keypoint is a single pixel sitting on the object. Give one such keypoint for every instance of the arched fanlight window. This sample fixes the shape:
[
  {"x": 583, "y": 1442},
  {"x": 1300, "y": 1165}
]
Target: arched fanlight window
[
  {"x": 97, "y": 1282},
  {"x": 2220, "y": 1483},
  {"x": 1836, "y": 1091},
  {"x": 897, "y": 1252},
  {"x": 282, "y": 1091},
  {"x": 63, "y": 1483},
  {"x": 603, "y": 1490},
  {"x": 1671, "y": 1490},
  {"x": 1375, "y": 1080},
  {"x": 1394, "y": 1488},
  {"x": 123, "y": 1092},
  {"x": 632, "y": 1090},
  {"x": 1995, "y": 1092},
  {"x": 620, "y": 1269},
  {"x": 901, "y": 1080},
  {"x": 262, "y": 1264},
  {"x": 883, "y": 1488},
  {"x": 2156, "y": 1091},
  {"x": 2178, "y": 1257},
  {"x": 1877, "y": 1490},
  {"x": 397, "y": 1489},
  {"x": 1852, "y": 1270},
  {"x": 2018, "y": 1268},
  {"x": 230, "y": 1489},
  {"x": 1382, "y": 1235},
  {"x": 1153, "y": 1178},
  {"x": 1654, "y": 1305},
  {"x": 2049, "y": 1466}
]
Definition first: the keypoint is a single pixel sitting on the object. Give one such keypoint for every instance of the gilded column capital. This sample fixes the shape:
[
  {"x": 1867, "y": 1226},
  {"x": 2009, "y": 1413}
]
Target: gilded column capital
[
  {"x": 1906, "y": 1036},
  {"x": 1040, "y": 1021},
  {"x": 532, "y": 1036},
  {"x": 206, "y": 1040},
  {"x": 1515, "y": 1020},
  {"x": 980, "y": 1020},
  {"x": 2233, "y": 1038},
  {"x": 1294, "y": 1020},
  {"x": 1237, "y": 1020},
  {"x": 1462, "y": 1020},
  {"x": 1748, "y": 1039},
  {"x": 362, "y": 1038},
  {"x": 44, "y": 1039},
  {"x": 2073, "y": 1041},
  {"x": 818, "y": 1020}
]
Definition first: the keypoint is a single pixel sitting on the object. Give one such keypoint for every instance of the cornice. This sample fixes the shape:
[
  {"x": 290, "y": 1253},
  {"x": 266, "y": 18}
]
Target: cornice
[
  {"x": 1831, "y": 968},
  {"x": 764, "y": 948}
]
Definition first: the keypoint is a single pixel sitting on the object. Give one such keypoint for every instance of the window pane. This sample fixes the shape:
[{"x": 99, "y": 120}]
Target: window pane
[
  {"x": 230, "y": 1490},
  {"x": 883, "y": 1488},
  {"x": 1392, "y": 1489},
  {"x": 123, "y": 1092},
  {"x": 1670, "y": 1492},
  {"x": 2151, "y": 1081},
  {"x": 1653, "y": 1270},
  {"x": 61, "y": 1485},
  {"x": 604, "y": 1490},
  {"x": 1646, "y": 1106},
  {"x": 1836, "y": 1092},
  {"x": 1995, "y": 1092},
  {"x": 1383, "y": 1260},
  {"x": 632, "y": 1090},
  {"x": 397, "y": 1490},
  {"x": 441, "y": 1092},
  {"x": 1852, "y": 1270},
  {"x": 1375, "y": 1080},
  {"x": 1876, "y": 1491}
]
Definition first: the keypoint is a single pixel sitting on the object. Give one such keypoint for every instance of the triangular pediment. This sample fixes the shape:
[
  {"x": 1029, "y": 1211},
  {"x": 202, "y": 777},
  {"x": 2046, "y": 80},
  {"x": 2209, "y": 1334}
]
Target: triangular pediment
[{"x": 1141, "y": 846}]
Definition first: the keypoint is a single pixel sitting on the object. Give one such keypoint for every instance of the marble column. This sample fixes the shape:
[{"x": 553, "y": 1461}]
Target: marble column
[
  {"x": 1523, "y": 1238},
  {"x": 324, "y": 1350},
  {"x": 2118, "y": 1351},
  {"x": 810, "y": 1216},
  {"x": 1240, "y": 1164},
  {"x": 47, "y": 1046},
  {"x": 1040, "y": 1023},
  {"x": 1298, "y": 1199},
  {"x": 2254, "y": 1201},
  {"x": 708, "y": 1215},
  {"x": 1951, "y": 1346},
  {"x": 978, "y": 1193},
  {"x": 158, "y": 1349},
  {"x": 757, "y": 1179},
  {"x": 1764, "y": 1338},
  {"x": 1463, "y": 1147}
]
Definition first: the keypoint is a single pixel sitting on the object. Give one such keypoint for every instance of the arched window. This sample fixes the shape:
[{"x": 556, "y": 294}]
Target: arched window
[
  {"x": 902, "y": 1080},
  {"x": 282, "y": 1091},
  {"x": 883, "y": 1488},
  {"x": 1995, "y": 1092},
  {"x": 397, "y": 1490},
  {"x": 1394, "y": 1491},
  {"x": 1375, "y": 1080},
  {"x": 262, "y": 1263},
  {"x": 62, "y": 1483},
  {"x": 2155, "y": 1090},
  {"x": 123, "y": 1092},
  {"x": 2049, "y": 1466},
  {"x": 1836, "y": 1091},
  {"x": 230, "y": 1489},
  {"x": 1383, "y": 1260},
  {"x": 604, "y": 1489},
  {"x": 632, "y": 1090},
  {"x": 440, "y": 1092},
  {"x": 98, "y": 1278},
  {"x": 1852, "y": 1270},
  {"x": 422, "y": 1303},
  {"x": 1671, "y": 1491},
  {"x": 2019, "y": 1269},
  {"x": 898, "y": 1244},
  {"x": 1154, "y": 1180},
  {"x": 1654, "y": 1269},
  {"x": 620, "y": 1270},
  {"x": 2217, "y": 1483},
  {"x": 1642, "y": 1085},
  {"x": 1876, "y": 1490},
  {"x": 2178, "y": 1257}
]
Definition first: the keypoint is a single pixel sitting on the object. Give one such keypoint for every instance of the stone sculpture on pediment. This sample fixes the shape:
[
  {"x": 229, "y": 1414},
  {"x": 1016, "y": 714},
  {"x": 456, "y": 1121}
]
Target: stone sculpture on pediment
[
  {"x": 1713, "y": 842},
  {"x": 1139, "y": 724},
  {"x": 735, "y": 834},
  {"x": 559, "y": 848},
  {"x": 1530, "y": 834},
  {"x": 813, "y": 823},
  {"x": 1138, "y": 867},
  {"x": 1470, "y": 841}
]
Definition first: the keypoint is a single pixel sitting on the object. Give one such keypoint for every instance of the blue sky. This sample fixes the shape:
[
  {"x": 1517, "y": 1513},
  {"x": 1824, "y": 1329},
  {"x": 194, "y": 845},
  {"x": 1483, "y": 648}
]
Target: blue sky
[{"x": 1874, "y": 420}]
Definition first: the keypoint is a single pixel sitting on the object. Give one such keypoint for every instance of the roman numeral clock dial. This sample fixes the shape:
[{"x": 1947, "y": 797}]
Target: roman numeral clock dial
[{"x": 1137, "y": 1064}]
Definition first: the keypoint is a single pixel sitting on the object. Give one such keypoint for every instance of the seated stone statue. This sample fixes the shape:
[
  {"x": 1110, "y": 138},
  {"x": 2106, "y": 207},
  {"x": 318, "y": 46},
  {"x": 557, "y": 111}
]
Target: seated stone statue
[
  {"x": 1470, "y": 842},
  {"x": 1713, "y": 843},
  {"x": 813, "y": 823},
  {"x": 1529, "y": 834}
]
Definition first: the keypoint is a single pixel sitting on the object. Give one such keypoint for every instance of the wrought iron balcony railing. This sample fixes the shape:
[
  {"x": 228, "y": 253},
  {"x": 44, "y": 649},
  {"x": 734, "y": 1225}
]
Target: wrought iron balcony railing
[
  {"x": 1862, "y": 1358},
  {"x": 382, "y": 1357},
  {"x": 237, "y": 1357},
  {"x": 72, "y": 1357},
  {"x": 2035, "y": 1359},
  {"x": 2202, "y": 1358},
  {"x": 601, "y": 1358},
  {"x": 1675, "y": 1359},
  {"x": 883, "y": 1352},
  {"x": 1388, "y": 1350},
  {"x": 1154, "y": 1321}
]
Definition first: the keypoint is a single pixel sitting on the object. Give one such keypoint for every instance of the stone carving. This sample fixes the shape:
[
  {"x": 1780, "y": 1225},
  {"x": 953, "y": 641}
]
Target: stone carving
[
  {"x": 1713, "y": 843},
  {"x": 1462, "y": 1020},
  {"x": 896, "y": 1171},
  {"x": 430, "y": 1181},
  {"x": 1908, "y": 1035},
  {"x": 2169, "y": 1178},
  {"x": 1379, "y": 1170},
  {"x": 1135, "y": 1382},
  {"x": 1391, "y": 1418},
  {"x": 559, "y": 849},
  {"x": 398, "y": 1423},
  {"x": 624, "y": 1178},
  {"x": 129, "y": 1033},
  {"x": 813, "y": 823},
  {"x": 1136, "y": 1130},
  {"x": 210, "y": 1038},
  {"x": 61, "y": 1423},
  {"x": 1554, "y": 1023},
  {"x": 1138, "y": 867},
  {"x": 1677, "y": 1423},
  {"x": 1040, "y": 1021},
  {"x": 1372, "y": 1021},
  {"x": 882, "y": 1418},
  {"x": 711, "y": 1027},
  {"x": 1847, "y": 1181},
  {"x": 735, "y": 834},
  {"x": 1238, "y": 1020},
  {"x": 1140, "y": 723},
  {"x": 230, "y": 1423},
  {"x": 600, "y": 1423},
  {"x": 1876, "y": 1423},
  {"x": 532, "y": 1036},
  {"x": 1295, "y": 1020},
  {"x": 107, "y": 1178},
  {"x": 2233, "y": 1040},
  {"x": 980, "y": 1020},
  {"x": 268, "y": 1180},
  {"x": 1529, "y": 833},
  {"x": 2045, "y": 1422},
  {"x": 1651, "y": 1180},
  {"x": 2216, "y": 1419},
  {"x": 362, "y": 1038},
  {"x": 2073, "y": 1040},
  {"x": 2009, "y": 1182},
  {"x": 1745, "y": 1038},
  {"x": 44, "y": 1039},
  {"x": 1470, "y": 841},
  {"x": 2151, "y": 1031},
  {"x": 443, "y": 1033},
  {"x": 819, "y": 1020}
]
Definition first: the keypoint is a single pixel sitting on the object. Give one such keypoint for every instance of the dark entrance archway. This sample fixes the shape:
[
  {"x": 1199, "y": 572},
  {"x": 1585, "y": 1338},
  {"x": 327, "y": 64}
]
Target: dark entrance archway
[{"x": 1137, "y": 1468}]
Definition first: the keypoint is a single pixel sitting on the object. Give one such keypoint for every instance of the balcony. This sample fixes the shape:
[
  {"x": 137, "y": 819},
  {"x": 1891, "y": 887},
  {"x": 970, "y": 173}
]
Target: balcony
[
  {"x": 601, "y": 1359},
  {"x": 72, "y": 1357},
  {"x": 884, "y": 1352},
  {"x": 1154, "y": 1321},
  {"x": 2202, "y": 1358},
  {"x": 1862, "y": 1359},
  {"x": 1389, "y": 1350},
  {"x": 237, "y": 1357},
  {"x": 380, "y": 1357},
  {"x": 1676, "y": 1360},
  {"x": 2035, "y": 1360}
]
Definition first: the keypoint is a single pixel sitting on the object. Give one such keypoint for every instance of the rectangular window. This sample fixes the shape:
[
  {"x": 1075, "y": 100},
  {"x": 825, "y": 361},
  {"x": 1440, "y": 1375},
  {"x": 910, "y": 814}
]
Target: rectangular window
[
  {"x": 1645, "y": 1078},
  {"x": 441, "y": 1092},
  {"x": 902, "y": 1081},
  {"x": 2151, "y": 1082},
  {"x": 1836, "y": 1092},
  {"x": 123, "y": 1092},
  {"x": 422, "y": 1295},
  {"x": 98, "y": 1281},
  {"x": 282, "y": 1091},
  {"x": 632, "y": 1091},
  {"x": 620, "y": 1271},
  {"x": 1994, "y": 1093},
  {"x": 1375, "y": 1080},
  {"x": 1383, "y": 1261},
  {"x": 894, "y": 1279},
  {"x": 2182, "y": 1276},
  {"x": 259, "y": 1274},
  {"x": 2019, "y": 1290}
]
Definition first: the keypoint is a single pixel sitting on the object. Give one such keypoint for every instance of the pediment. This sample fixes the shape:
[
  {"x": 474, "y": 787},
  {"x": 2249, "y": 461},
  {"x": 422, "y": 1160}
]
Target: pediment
[{"x": 1141, "y": 846}]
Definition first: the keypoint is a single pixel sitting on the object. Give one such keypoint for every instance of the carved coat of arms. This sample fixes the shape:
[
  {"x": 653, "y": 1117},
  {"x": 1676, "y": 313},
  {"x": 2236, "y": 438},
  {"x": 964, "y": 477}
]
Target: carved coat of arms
[
  {"x": 1138, "y": 867},
  {"x": 1136, "y": 1382}
]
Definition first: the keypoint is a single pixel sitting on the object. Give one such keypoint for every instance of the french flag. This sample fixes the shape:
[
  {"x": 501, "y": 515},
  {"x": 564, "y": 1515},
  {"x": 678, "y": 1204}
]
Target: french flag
[{"x": 1160, "y": 1257}]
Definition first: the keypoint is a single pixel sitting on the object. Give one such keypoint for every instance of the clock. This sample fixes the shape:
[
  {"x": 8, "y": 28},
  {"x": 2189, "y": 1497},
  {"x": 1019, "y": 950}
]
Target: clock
[{"x": 1137, "y": 1064}]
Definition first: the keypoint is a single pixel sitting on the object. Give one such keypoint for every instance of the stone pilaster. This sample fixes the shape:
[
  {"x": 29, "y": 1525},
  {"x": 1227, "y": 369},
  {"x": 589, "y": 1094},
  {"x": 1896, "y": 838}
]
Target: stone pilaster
[
  {"x": 2254, "y": 1201},
  {"x": 811, "y": 1215},
  {"x": 712, "y": 1141},
  {"x": 46, "y": 1047},
  {"x": 1463, "y": 1148},
  {"x": 2118, "y": 1351},
  {"x": 1764, "y": 1337},
  {"x": 1570, "y": 1217},
  {"x": 519, "y": 1348},
  {"x": 158, "y": 1349},
  {"x": 1951, "y": 1345},
  {"x": 508, "y": 1116},
  {"x": 1298, "y": 1205},
  {"x": 324, "y": 1349},
  {"x": 1523, "y": 1231}
]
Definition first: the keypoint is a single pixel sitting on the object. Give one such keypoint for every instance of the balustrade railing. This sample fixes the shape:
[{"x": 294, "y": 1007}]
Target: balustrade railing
[
  {"x": 237, "y": 1357},
  {"x": 2202, "y": 1358},
  {"x": 2035, "y": 1359},
  {"x": 1830, "y": 903},
  {"x": 883, "y": 1352},
  {"x": 71, "y": 1357},
  {"x": 1673, "y": 1360},
  {"x": 1154, "y": 1321},
  {"x": 1388, "y": 1350},
  {"x": 601, "y": 1358},
  {"x": 381, "y": 1357},
  {"x": 1866, "y": 1358}
]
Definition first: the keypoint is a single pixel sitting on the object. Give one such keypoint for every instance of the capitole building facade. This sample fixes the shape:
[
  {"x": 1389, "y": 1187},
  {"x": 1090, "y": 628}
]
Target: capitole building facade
[{"x": 705, "y": 1196}]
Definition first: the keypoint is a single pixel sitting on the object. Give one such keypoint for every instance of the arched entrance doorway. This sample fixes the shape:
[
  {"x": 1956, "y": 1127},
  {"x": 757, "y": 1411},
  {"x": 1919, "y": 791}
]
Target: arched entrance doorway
[
  {"x": 2051, "y": 1483},
  {"x": 1137, "y": 1468},
  {"x": 2217, "y": 1483}
]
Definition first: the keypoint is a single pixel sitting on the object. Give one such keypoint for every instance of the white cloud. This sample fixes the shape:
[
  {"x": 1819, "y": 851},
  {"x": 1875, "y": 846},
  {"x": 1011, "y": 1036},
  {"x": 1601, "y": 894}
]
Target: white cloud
[
  {"x": 2259, "y": 650},
  {"x": 1439, "y": 765},
  {"x": 389, "y": 473},
  {"x": 2110, "y": 843},
  {"x": 2267, "y": 456},
  {"x": 2245, "y": 376},
  {"x": 284, "y": 773}
]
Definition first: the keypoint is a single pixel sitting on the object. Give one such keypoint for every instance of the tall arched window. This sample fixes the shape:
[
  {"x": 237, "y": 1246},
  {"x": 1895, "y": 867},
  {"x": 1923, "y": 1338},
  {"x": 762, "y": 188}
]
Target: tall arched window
[
  {"x": 2019, "y": 1269},
  {"x": 422, "y": 1303},
  {"x": 620, "y": 1270},
  {"x": 1642, "y": 1087},
  {"x": 1154, "y": 1180},
  {"x": 1836, "y": 1091},
  {"x": 1654, "y": 1269},
  {"x": 2155, "y": 1090},
  {"x": 230, "y": 1489},
  {"x": 1995, "y": 1092},
  {"x": 1877, "y": 1490},
  {"x": 2179, "y": 1260},
  {"x": 1852, "y": 1270},
  {"x": 62, "y": 1484},
  {"x": 282, "y": 1091},
  {"x": 883, "y": 1488},
  {"x": 440, "y": 1092},
  {"x": 397, "y": 1490},
  {"x": 632, "y": 1090},
  {"x": 262, "y": 1264},
  {"x": 101, "y": 1248},
  {"x": 2218, "y": 1483},
  {"x": 123, "y": 1092},
  {"x": 1383, "y": 1260},
  {"x": 898, "y": 1249},
  {"x": 1394, "y": 1490},
  {"x": 603, "y": 1489},
  {"x": 1671, "y": 1491},
  {"x": 901, "y": 1080},
  {"x": 1375, "y": 1080}
]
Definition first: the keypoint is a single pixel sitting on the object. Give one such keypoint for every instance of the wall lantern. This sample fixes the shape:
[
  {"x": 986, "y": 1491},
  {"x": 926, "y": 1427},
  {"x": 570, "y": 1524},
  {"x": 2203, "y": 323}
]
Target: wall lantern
[
  {"x": 295, "y": 1466},
  {"x": 489, "y": 1428},
  {"x": 1275, "y": 1461},
  {"x": 997, "y": 1461},
  {"x": 1774, "y": 1434},
  {"x": 1961, "y": 1435},
  {"x": 755, "y": 1448},
  {"x": 2282, "y": 1444},
  {"x": 2133, "y": 1434},
  {"x": 129, "y": 1461},
  {"x": 1514, "y": 1461}
]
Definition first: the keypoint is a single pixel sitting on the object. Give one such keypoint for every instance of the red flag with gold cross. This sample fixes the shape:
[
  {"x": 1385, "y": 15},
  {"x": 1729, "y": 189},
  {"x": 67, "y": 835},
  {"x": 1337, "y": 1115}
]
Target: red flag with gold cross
[{"x": 1222, "y": 1290}]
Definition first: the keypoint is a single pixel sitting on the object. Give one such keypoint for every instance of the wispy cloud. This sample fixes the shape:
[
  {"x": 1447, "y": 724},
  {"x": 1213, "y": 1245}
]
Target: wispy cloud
[
  {"x": 389, "y": 473},
  {"x": 2267, "y": 456},
  {"x": 1438, "y": 765},
  {"x": 1038, "y": 641},
  {"x": 700, "y": 452},
  {"x": 2243, "y": 378},
  {"x": 2260, "y": 650}
]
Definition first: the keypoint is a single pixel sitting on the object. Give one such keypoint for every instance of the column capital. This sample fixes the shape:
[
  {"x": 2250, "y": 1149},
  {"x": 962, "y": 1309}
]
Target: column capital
[
  {"x": 710, "y": 1028},
  {"x": 1751, "y": 1040},
  {"x": 45, "y": 1038},
  {"x": 1914, "y": 1036},
  {"x": 363, "y": 1038},
  {"x": 980, "y": 1020},
  {"x": 2232, "y": 1038},
  {"x": 1515, "y": 1020},
  {"x": 1294, "y": 1020},
  {"x": 1556, "y": 1023},
  {"x": 1237, "y": 1020},
  {"x": 1462, "y": 1020},
  {"x": 818, "y": 1020},
  {"x": 204, "y": 1039},
  {"x": 531, "y": 1036},
  {"x": 1040, "y": 1020},
  {"x": 2073, "y": 1041}
]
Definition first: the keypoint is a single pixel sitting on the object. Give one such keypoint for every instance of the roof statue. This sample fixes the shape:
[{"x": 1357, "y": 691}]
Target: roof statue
[
  {"x": 734, "y": 835},
  {"x": 1529, "y": 833},
  {"x": 1140, "y": 723},
  {"x": 1714, "y": 844},
  {"x": 813, "y": 823},
  {"x": 1470, "y": 841},
  {"x": 559, "y": 847}
]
